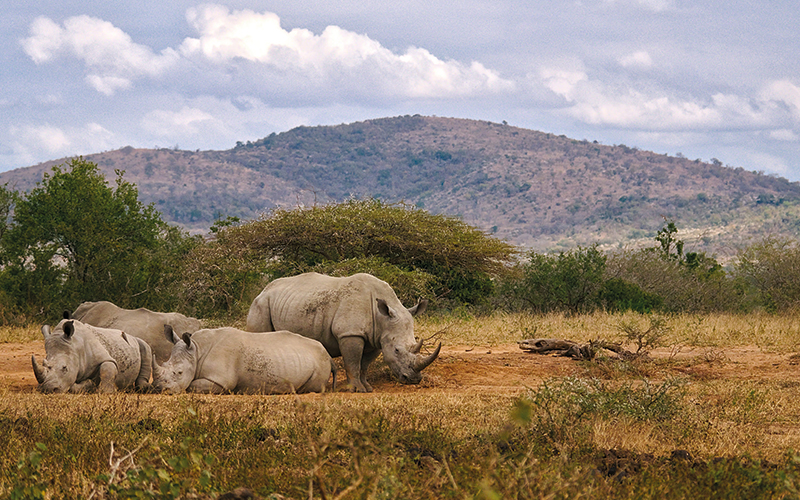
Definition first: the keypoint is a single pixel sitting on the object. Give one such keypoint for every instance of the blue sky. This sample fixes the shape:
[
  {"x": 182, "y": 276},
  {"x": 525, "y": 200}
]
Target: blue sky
[{"x": 704, "y": 79}]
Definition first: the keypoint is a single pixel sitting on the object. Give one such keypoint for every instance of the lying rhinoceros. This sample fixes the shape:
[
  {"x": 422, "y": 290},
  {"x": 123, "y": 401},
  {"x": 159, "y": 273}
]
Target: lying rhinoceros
[
  {"x": 82, "y": 358},
  {"x": 143, "y": 323},
  {"x": 226, "y": 360},
  {"x": 357, "y": 317}
]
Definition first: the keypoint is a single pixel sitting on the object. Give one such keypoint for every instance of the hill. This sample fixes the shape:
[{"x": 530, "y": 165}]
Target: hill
[{"x": 531, "y": 188}]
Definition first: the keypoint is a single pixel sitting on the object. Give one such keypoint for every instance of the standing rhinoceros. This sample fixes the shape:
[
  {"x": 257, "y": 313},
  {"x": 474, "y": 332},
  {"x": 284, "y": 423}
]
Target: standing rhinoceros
[
  {"x": 356, "y": 317},
  {"x": 82, "y": 357},
  {"x": 226, "y": 360},
  {"x": 143, "y": 323}
]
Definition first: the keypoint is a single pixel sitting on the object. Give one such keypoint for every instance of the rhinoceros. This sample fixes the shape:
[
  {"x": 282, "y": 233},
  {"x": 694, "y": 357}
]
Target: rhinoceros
[
  {"x": 356, "y": 317},
  {"x": 143, "y": 323},
  {"x": 81, "y": 358},
  {"x": 224, "y": 360}
]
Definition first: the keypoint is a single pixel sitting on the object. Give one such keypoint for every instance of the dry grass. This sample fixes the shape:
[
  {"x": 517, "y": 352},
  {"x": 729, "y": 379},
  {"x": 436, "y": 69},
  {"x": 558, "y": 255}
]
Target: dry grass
[
  {"x": 772, "y": 333},
  {"x": 739, "y": 430}
]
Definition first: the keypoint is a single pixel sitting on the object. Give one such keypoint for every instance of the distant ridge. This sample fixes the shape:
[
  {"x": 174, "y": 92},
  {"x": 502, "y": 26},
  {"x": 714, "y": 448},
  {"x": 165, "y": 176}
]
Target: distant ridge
[{"x": 532, "y": 188}]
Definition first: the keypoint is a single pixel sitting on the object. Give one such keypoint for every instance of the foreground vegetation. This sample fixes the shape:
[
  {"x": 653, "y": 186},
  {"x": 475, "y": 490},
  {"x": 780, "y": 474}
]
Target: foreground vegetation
[{"x": 651, "y": 428}]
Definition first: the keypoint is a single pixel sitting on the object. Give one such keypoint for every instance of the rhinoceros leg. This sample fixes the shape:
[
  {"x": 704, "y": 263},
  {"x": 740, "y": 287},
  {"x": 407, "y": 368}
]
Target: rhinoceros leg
[
  {"x": 352, "y": 349},
  {"x": 205, "y": 386},
  {"x": 82, "y": 387},
  {"x": 366, "y": 359},
  {"x": 108, "y": 376}
]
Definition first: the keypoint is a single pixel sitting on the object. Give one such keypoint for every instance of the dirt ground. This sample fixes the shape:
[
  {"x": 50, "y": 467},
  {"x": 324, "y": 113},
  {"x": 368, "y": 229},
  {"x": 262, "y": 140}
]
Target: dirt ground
[{"x": 500, "y": 369}]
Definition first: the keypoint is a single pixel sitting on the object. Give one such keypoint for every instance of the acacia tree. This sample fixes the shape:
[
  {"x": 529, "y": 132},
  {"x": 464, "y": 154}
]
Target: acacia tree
[
  {"x": 418, "y": 253},
  {"x": 74, "y": 237}
]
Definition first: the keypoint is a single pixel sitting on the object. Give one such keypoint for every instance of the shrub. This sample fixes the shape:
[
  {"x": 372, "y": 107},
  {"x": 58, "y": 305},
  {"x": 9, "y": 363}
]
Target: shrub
[
  {"x": 772, "y": 267},
  {"x": 618, "y": 295},
  {"x": 414, "y": 251},
  {"x": 569, "y": 281},
  {"x": 680, "y": 287}
]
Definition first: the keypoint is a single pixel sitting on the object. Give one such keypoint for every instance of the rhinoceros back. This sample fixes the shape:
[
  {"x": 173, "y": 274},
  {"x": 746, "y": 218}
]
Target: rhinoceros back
[
  {"x": 142, "y": 323},
  {"x": 320, "y": 307},
  {"x": 273, "y": 362}
]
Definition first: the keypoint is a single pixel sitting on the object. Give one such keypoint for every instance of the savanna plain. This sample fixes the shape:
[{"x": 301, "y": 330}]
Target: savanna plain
[{"x": 710, "y": 409}]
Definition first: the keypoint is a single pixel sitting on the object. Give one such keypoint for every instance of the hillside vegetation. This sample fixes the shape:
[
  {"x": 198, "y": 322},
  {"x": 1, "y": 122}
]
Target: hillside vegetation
[{"x": 535, "y": 189}]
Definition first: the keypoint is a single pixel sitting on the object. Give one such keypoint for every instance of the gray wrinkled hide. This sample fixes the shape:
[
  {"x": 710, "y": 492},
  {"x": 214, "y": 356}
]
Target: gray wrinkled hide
[
  {"x": 226, "y": 360},
  {"x": 92, "y": 358},
  {"x": 357, "y": 317},
  {"x": 142, "y": 323}
]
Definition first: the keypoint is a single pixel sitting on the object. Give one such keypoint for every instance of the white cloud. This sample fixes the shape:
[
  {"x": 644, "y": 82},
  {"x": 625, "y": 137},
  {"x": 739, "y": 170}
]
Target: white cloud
[
  {"x": 624, "y": 105},
  {"x": 31, "y": 141},
  {"x": 297, "y": 58},
  {"x": 783, "y": 92},
  {"x": 767, "y": 162},
  {"x": 639, "y": 59},
  {"x": 653, "y": 5},
  {"x": 562, "y": 82},
  {"x": 335, "y": 56},
  {"x": 175, "y": 123},
  {"x": 112, "y": 59},
  {"x": 784, "y": 135}
]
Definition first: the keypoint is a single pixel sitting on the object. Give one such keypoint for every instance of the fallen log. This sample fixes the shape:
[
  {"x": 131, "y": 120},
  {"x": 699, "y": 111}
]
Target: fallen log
[{"x": 574, "y": 350}]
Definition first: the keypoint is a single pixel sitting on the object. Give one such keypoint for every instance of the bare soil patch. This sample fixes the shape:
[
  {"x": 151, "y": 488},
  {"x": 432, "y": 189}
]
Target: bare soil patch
[{"x": 502, "y": 369}]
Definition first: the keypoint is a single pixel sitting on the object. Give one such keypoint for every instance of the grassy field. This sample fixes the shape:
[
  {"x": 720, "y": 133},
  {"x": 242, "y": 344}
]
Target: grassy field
[{"x": 707, "y": 425}]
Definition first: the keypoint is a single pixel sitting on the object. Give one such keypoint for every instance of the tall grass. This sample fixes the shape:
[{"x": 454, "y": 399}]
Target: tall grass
[{"x": 773, "y": 333}]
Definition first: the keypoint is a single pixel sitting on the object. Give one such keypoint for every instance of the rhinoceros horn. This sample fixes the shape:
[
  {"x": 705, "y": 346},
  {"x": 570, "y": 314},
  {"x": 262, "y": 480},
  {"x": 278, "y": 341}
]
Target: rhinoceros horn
[
  {"x": 157, "y": 369},
  {"x": 417, "y": 347},
  {"x": 37, "y": 370},
  {"x": 423, "y": 362}
]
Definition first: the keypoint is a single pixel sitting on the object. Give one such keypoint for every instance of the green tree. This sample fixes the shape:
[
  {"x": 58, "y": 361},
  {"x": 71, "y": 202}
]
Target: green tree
[
  {"x": 568, "y": 281},
  {"x": 666, "y": 237},
  {"x": 415, "y": 251},
  {"x": 8, "y": 199},
  {"x": 75, "y": 238}
]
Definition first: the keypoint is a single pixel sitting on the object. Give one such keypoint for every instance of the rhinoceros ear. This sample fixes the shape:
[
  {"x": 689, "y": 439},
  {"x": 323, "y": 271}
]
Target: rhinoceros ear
[
  {"x": 46, "y": 330},
  {"x": 169, "y": 334},
  {"x": 420, "y": 308},
  {"x": 187, "y": 337},
  {"x": 384, "y": 308},
  {"x": 69, "y": 329},
  {"x": 67, "y": 315}
]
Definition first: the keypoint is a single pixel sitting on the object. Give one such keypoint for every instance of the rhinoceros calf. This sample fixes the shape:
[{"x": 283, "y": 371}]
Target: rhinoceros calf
[
  {"x": 357, "y": 317},
  {"x": 82, "y": 358},
  {"x": 224, "y": 360},
  {"x": 143, "y": 323}
]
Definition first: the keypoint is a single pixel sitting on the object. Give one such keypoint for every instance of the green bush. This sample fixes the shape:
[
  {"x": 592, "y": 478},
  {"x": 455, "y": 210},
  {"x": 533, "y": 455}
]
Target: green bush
[
  {"x": 569, "y": 281},
  {"x": 617, "y": 295},
  {"x": 680, "y": 287},
  {"x": 770, "y": 267},
  {"x": 418, "y": 253}
]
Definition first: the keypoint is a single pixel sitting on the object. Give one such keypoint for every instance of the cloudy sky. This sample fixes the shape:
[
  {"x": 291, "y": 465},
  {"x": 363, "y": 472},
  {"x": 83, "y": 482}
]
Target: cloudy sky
[{"x": 707, "y": 79}]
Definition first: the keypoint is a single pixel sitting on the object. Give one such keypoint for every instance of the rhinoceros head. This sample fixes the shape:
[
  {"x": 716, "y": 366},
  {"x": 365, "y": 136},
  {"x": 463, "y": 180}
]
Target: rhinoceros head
[
  {"x": 400, "y": 349},
  {"x": 175, "y": 375},
  {"x": 60, "y": 368}
]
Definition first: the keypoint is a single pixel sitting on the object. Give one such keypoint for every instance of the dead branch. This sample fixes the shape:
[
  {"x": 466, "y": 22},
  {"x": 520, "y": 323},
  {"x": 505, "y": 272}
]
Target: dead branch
[{"x": 574, "y": 350}]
